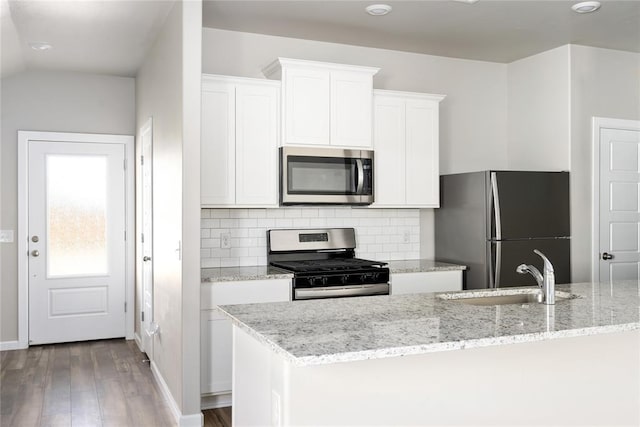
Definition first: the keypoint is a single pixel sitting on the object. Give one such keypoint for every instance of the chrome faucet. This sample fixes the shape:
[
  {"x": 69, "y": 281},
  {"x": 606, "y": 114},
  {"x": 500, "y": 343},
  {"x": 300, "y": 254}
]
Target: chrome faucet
[{"x": 546, "y": 281}]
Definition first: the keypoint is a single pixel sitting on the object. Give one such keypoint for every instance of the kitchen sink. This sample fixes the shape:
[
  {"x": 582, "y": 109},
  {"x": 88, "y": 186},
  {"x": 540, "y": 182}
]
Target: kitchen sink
[{"x": 502, "y": 297}]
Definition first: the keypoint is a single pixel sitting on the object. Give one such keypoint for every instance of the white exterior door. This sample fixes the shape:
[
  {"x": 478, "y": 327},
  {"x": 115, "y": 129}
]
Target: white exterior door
[
  {"x": 146, "y": 239},
  {"x": 619, "y": 204},
  {"x": 77, "y": 250}
]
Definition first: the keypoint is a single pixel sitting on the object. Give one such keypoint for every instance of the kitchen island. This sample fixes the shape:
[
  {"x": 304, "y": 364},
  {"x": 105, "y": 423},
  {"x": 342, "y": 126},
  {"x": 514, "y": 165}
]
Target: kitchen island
[{"x": 425, "y": 360}]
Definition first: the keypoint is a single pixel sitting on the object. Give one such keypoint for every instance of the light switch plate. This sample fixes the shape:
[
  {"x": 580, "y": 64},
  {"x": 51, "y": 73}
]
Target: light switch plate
[{"x": 6, "y": 236}]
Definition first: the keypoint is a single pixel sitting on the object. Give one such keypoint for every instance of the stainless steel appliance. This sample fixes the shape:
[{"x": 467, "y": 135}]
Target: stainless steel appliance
[
  {"x": 324, "y": 265},
  {"x": 311, "y": 175},
  {"x": 491, "y": 221}
]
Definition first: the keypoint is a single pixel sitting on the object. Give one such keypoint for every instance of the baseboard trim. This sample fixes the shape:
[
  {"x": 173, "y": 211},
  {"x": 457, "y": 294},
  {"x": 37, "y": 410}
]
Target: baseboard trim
[
  {"x": 138, "y": 341},
  {"x": 195, "y": 420},
  {"x": 213, "y": 401},
  {"x": 12, "y": 345}
]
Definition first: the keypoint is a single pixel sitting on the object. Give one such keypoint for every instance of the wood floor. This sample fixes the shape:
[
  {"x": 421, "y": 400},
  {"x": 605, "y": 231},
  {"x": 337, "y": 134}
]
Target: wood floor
[{"x": 96, "y": 383}]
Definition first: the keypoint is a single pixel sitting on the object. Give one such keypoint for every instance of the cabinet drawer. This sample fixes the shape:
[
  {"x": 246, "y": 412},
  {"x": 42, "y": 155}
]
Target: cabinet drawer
[{"x": 424, "y": 282}]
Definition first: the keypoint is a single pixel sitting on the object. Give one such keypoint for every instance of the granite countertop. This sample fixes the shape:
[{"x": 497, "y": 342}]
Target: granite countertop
[
  {"x": 350, "y": 329},
  {"x": 236, "y": 274},
  {"x": 421, "y": 265},
  {"x": 265, "y": 272}
]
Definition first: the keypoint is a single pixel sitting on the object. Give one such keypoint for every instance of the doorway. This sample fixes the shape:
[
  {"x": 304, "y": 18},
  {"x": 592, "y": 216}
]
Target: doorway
[
  {"x": 616, "y": 204},
  {"x": 75, "y": 237},
  {"x": 146, "y": 237}
]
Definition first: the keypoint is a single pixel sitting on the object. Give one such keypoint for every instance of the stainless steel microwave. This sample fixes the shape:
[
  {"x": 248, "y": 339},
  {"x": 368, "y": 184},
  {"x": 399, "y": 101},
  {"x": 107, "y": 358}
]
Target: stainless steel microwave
[{"x": 310, "y": 175}]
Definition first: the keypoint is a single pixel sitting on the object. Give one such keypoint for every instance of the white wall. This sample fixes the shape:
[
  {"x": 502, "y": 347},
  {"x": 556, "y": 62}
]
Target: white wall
[
  {"x": 473, "y": 116},
  {"x": 553, "y": 97},
  {"x": 538, "y": 112},
  {"x": 604, "y": 83},
  {"x": 168, "y": 90},
  {"x": 50, "y": 101}
]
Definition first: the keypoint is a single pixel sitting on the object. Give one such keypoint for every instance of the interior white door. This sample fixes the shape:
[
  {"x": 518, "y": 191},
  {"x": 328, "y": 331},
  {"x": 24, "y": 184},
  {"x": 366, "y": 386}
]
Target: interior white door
[
  {"x": 619, "y": 204},
  {"x": 146, "y": 238},
  {"x": 76, "y": 223}
]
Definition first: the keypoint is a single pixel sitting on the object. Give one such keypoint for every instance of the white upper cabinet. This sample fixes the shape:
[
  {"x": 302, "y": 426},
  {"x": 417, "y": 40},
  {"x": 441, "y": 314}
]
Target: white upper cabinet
[
  {"x": 406, "y": 139},
  {"x": 324, "y": 103},
  {"x": 217, "y": 143},
  {"x": 238, "y": 157}
]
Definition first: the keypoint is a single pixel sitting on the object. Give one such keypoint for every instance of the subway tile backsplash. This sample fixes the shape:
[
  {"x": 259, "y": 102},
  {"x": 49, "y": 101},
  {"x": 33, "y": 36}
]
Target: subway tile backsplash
[{"x": 381, "y": 234}]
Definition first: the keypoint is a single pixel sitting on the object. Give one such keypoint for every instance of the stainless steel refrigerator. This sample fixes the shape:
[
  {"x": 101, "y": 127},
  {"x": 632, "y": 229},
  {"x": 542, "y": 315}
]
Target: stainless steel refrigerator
[{"x": 491, "y": 221}]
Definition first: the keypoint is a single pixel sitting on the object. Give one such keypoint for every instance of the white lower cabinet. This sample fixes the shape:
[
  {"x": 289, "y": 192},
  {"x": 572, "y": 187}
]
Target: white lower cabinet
[
  {"x": 424, "y": 282},
  {"x": 215, "y": 328}
]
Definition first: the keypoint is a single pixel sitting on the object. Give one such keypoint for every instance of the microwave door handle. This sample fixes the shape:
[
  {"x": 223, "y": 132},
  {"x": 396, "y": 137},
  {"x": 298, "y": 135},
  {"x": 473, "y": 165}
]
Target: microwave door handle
[{"x": 360, "y": 176}]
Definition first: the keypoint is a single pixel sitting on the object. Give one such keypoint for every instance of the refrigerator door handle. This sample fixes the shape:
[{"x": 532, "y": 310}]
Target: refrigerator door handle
[
  {"x": 496, "y": 206},
  {"x": 495, "y": 263},
  {"x": 496, "y": 282}
]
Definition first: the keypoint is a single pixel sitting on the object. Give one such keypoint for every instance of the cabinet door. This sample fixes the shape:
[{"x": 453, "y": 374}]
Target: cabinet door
[
  {"x": 389, "y": 136},
  {"x": 306, "y": 106},
  {"x": 216, "y": 341},
  {"x": 351, "y": 101},
  {"x": 215, "y": 353},
  {"x": 256, "y": 144},
  {"x": 422, "y": 163},
  {"x": 217, "y": 152},
  {"x": 425, "y": 282}
]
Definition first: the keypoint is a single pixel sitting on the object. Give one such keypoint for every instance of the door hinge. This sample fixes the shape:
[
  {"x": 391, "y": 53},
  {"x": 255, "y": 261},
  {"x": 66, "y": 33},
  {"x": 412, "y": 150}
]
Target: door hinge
[
  {"x": 125, "y": 235},
  {"x": 125, "y": 306},
  {"x": 142, "y": 316},
  {"x": 142, "y": 160},
  {"x": 124, "y": 164},
  {"x": 142, "y": 237}
]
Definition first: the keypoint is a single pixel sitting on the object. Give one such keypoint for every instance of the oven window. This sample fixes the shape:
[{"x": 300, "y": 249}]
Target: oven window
[{"x": 321, "y": 175}]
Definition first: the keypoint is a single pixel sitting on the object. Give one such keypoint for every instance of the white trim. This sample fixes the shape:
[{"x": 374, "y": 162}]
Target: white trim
[
  {"x": 138, "y": 340},
  {"x": 195, "y": 420},
  {"x": 23, "y": 220},
  {"x": 274, "y": 70},
  {"x": 599, "y": 123},
  {"x": 413, "y": 95},
  {"x": 218, "y": 78},
  {"x": 22, "y": 236},
  {"x": 11, "y": 345},
  {"x": 213, "y": 401}
]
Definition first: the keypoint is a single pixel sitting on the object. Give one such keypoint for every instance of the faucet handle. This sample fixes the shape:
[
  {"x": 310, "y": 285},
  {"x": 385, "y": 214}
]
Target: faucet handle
[{"x": 547, "y": 264}]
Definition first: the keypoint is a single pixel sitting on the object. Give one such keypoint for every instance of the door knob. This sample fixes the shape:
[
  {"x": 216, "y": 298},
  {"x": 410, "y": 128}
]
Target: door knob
[
  {"x": 146, "y": 258},
  {"x": 35, "y": 253},
  {"x": 606, "y": 256}
]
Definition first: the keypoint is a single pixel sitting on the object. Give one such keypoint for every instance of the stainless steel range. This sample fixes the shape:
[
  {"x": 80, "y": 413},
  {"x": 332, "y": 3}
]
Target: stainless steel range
[{"x": 324, "y": 265}]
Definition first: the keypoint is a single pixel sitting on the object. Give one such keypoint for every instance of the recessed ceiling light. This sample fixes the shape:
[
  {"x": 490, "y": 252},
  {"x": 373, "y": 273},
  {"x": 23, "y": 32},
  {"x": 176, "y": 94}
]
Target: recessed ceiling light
[
  {"x": 586, "y": 6},
  {"x": 467, "y": 1},
  {"x": 40, "y": 46},
  {"x": 378, "y": 9}
]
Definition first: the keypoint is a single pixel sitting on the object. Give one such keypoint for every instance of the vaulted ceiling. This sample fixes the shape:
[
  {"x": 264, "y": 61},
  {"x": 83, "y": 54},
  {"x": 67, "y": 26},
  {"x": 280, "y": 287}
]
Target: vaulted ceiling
[{"x": 113, "y": 36}]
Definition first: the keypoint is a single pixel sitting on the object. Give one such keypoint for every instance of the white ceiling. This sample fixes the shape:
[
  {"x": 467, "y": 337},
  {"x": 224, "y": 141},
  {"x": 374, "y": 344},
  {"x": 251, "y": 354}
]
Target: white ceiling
[
  {"x": 113, "y": 36},
  {"x": 97, "y": 36},
  {"x": 489, "y": 30}
]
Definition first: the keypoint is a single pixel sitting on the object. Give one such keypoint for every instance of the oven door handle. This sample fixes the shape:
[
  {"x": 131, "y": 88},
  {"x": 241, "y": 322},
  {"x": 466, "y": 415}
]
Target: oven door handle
[{"x": 341, "y": 291}]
